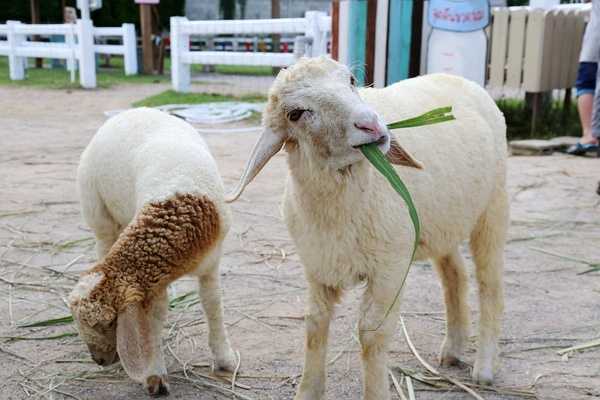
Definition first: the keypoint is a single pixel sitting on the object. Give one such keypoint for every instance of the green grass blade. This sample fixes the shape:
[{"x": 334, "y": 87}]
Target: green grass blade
[
  {"x": 53, "y": 337},
  {"x": 377, "y": 158},
  {"x": 50, "y": 322},
  {"x": 436, "y": 116},
  {"x": 184, "y": 298},
  {"x": 380, "y": 162}
]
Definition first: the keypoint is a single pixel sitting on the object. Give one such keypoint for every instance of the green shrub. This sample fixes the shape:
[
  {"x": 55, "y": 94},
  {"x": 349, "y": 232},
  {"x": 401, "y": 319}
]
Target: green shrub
[{"x": 554, "y": 120}]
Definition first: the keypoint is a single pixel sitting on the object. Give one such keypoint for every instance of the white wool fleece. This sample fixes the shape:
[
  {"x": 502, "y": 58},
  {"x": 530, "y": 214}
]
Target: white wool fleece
[
  {"x": 367, "y": 223},
  {"x": 145, "y": 155},
  {"x": 151, "y": 192},
  {"x": 353, "y": 227}
]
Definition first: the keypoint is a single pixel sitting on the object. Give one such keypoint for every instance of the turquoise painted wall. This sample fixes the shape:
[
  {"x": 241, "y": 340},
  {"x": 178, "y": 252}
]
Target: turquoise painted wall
[
  {"x": 357, "y": 37},
  {"x": 399, "y": 37}
]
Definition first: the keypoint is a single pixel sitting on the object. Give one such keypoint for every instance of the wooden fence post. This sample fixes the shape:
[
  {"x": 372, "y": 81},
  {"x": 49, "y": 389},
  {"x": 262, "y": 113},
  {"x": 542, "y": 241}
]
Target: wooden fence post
[{"x": 147, "y": 45}]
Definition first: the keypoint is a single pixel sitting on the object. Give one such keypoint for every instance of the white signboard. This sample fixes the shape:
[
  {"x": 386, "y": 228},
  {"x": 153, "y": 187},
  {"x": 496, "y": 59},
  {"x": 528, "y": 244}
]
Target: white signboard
[
  {"x": 92, "y": 4},
  {"x": 458, "y": 44},
  {"x": 147, "y": 1}
]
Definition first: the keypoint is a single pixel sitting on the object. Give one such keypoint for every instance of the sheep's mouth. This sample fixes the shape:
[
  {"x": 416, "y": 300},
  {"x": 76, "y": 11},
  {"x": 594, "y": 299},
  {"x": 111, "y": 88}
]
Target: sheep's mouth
[{"x": 379, "y": 142}]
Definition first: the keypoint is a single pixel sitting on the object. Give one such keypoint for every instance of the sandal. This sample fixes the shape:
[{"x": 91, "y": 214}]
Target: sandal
[{"x": 579, "y": 149}]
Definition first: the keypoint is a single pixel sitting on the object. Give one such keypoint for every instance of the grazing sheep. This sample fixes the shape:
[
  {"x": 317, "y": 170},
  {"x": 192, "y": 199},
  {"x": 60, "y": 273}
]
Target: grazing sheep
[
  {"x": 350, "y": 226},
  {"x": 151, "y": 193}
]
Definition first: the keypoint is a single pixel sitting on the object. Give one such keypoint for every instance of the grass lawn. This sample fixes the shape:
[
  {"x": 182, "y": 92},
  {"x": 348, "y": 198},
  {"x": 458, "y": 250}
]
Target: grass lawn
[
  {"x": 172, "y": 97},
  {"x": 60, "y": 78},
  {"x": 255, "y": 70}
]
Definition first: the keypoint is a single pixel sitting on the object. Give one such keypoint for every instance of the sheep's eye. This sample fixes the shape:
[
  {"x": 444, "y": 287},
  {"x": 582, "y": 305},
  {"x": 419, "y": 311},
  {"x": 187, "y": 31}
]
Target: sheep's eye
[
  {"x": 352, "y": 80},
  {"x": 295, "y": 115}
]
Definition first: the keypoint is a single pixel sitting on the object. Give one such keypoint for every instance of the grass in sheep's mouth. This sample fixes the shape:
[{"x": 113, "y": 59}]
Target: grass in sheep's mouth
[{"x": 380, "y": 162}]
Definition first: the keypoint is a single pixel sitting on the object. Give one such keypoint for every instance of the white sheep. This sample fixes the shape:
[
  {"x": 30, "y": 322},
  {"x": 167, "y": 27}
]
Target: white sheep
[
  {"x": 151, "y": 193},
  {"x": 350, "y": 226}
]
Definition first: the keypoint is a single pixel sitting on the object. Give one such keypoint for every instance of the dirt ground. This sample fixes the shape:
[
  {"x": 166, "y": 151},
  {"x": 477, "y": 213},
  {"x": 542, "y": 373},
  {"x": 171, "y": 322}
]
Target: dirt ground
[{"x": 44, "y": 244}]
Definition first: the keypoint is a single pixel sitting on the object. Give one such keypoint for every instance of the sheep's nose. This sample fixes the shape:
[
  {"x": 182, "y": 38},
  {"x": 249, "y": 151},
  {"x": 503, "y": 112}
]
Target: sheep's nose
[
  {"x": 370, "y": 127},
  {"x": 99, "y": 360}
]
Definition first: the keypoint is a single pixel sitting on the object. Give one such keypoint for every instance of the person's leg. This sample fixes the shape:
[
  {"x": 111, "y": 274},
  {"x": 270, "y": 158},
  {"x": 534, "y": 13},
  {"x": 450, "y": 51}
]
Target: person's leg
[
  {"x": 585, "y": 85},
  {"x": 584, "y": 106},
  {"x": 595, "y": 123}
]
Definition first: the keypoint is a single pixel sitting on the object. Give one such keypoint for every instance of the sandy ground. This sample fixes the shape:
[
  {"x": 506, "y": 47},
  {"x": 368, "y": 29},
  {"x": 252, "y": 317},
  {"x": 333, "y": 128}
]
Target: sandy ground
[{"x": 44, "y": 243}]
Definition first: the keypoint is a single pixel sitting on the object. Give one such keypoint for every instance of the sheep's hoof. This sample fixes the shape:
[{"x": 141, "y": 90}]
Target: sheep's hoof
[
  {"x": 226, "y": 361},
  {"x": 482, "y": 376},
  {"x": 447, "y": 360},
  {"x": 449, "y": 355},
  {"x": 157, "y": 385}
]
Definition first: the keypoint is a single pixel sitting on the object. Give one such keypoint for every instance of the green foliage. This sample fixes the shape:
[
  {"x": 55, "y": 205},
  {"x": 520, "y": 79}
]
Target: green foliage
[
  {"x": 227, "y": 9},
  {"x": 172, "y": 97},
  {"x": 554, "y": 119},
  {"x": 112, "y": 13},
  {"x": 116, "y": 12},
  {"x": 20, "y": 10}
]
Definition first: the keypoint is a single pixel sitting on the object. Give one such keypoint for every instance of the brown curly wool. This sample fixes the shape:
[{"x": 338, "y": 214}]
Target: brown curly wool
[{"x": 165, "y": 241}]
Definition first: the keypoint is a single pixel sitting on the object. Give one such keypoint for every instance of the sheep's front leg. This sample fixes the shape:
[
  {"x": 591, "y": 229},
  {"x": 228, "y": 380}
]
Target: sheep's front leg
[
  {"x": 139, "y": 330},
  {"x": 321, "y": 303},
  {"x": 378, "y": 319},
  {"x": 210, "y": 295}
]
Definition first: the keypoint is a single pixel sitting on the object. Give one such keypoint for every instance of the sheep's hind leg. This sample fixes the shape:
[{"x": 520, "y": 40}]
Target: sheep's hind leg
[
  {"x": 210, "y": 295},
  {"x": 321, "y": 304},
  {"x": 379, "y": 312},
  {"x": 487, "y": 245},
  {"x": 106, "y": 230},
  {"x": 454, "y": 279}
]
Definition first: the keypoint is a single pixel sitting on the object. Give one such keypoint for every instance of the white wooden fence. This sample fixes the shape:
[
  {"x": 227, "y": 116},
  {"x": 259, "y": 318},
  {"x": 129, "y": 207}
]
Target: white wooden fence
[
  {"x": 127, "y": 48},
  {"x": 314, "y": 27},
  {"x": 536, "y": 50},
  {"x": 78, "y": 47}
]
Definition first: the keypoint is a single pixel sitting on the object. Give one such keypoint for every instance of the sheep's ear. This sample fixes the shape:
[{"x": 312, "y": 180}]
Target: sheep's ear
[
  {"x": 397, "y": 155},
  {"x": 269, "y": 143},
  {"x": 136, "y": 341}
]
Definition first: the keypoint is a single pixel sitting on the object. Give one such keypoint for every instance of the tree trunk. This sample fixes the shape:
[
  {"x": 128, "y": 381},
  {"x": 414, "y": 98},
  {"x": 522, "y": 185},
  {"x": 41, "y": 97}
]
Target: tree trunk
[
  {"x": 35, "y": 19},
  {"x": 147, "y": 45}
]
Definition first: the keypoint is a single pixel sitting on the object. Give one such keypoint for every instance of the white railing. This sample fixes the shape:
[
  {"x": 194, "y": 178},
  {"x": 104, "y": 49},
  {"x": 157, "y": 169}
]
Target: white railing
[
  {"x": 127, "y": 48},
  {"x": 535, "y": 49},
  {"x": 77, "y": 48},
  {"x": 314, "y": 27}
]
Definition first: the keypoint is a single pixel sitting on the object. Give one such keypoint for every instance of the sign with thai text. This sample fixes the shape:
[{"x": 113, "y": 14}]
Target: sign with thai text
[{"x": 459, "y": 15}]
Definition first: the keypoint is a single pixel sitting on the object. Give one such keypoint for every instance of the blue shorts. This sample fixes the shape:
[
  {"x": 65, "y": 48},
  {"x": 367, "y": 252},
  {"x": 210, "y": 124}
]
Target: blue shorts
[{"x": 586, "y": 78}]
